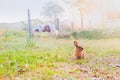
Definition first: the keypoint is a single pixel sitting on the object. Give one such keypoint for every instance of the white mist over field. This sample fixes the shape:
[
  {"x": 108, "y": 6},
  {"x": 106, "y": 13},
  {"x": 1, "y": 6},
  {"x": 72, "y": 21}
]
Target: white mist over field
[{"x": 106, "y": 11}]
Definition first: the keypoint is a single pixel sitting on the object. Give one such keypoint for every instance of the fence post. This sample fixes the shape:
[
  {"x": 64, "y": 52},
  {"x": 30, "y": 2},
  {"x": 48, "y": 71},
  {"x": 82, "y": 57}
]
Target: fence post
[
  {"x": 57, "y": 23},
  {"x": 72, "y": 25},
  {"x": 29, "y": 25}
]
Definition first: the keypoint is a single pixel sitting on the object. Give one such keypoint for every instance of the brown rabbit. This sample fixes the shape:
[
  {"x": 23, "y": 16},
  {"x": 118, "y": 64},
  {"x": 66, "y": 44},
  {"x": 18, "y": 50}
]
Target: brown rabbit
[{"x": 79, "y": 53}]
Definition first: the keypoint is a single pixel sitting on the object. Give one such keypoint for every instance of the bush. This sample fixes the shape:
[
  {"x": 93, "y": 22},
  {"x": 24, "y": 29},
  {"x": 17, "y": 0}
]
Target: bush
[
  {"x": 29, "y": 42},
  {"x": 75, "y": 35},
  {"x": 88, "y": 34},
  {"x": 91, "y": 34}
]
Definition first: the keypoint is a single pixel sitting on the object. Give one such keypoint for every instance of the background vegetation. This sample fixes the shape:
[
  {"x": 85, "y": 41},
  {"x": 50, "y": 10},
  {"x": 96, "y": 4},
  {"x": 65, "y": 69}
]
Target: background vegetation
[{"x": 52, "y": 58}]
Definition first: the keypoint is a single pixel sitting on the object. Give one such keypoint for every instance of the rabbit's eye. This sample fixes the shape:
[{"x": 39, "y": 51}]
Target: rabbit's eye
[{"x": 80, "y": 48}]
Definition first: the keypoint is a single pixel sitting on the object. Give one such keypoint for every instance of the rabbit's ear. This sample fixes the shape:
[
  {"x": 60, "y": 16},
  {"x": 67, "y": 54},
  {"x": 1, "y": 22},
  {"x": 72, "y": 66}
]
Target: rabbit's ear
[{"x": 76, "y": 43}]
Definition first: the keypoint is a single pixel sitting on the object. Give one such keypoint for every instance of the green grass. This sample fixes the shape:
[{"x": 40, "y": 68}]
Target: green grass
[{"x": 53, "y": 59}]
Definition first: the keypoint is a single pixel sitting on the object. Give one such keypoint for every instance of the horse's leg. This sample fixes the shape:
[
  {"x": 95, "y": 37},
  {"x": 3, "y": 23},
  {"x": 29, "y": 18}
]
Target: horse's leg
[
  {"x": 51, "y": 34},
  {"x": 40, "y": 35}
]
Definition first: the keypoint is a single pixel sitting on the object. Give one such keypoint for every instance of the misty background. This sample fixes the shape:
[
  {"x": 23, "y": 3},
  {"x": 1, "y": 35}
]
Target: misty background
[{"x": 72, "y": 14}]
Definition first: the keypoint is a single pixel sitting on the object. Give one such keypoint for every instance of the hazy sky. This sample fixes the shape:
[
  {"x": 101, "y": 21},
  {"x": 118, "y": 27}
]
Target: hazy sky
[{"x": 16, "y": 10}]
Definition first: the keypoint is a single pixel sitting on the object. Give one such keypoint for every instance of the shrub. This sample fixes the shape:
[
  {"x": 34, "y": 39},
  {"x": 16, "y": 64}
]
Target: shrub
[
  {"x": 91, "y": 34},
  {"x": 29, "y": 42},
  {"x": 88, "y": 34},
  {"x": 75, "y": 35}
]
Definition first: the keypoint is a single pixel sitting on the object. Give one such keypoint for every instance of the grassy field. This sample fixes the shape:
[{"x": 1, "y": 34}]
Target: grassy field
[{"x": 53, "y": 59}]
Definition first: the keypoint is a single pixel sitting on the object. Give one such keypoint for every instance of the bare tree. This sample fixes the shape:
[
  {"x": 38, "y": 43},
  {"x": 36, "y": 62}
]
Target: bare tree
[{"x": 52, "y": 10}]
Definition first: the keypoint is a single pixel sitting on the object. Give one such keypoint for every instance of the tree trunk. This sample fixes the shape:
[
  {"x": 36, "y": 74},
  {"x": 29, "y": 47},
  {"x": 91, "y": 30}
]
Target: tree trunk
[
  {"x": 82, "y": 19},
  {"x": 72, "y": 25}
]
